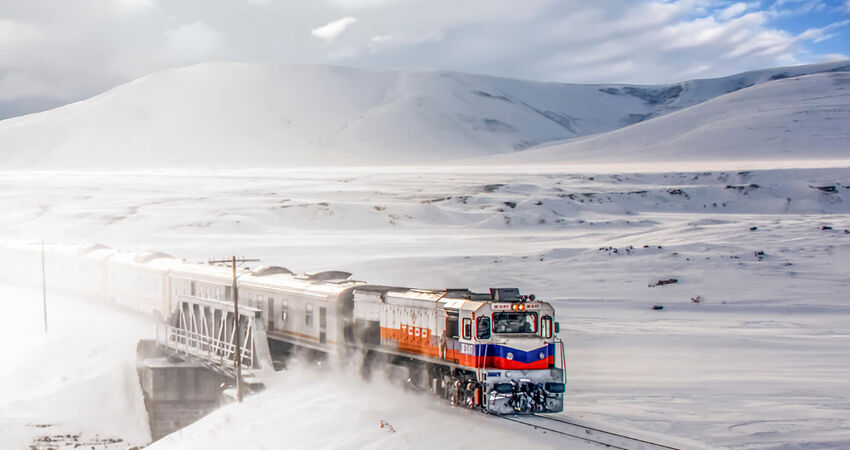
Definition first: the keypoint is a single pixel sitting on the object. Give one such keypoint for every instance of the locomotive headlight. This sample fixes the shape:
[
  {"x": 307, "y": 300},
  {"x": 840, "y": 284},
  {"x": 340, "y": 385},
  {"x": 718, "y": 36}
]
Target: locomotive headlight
[
  {"x": 542, "y": 355},
  {"x": 510, "y": 356}
]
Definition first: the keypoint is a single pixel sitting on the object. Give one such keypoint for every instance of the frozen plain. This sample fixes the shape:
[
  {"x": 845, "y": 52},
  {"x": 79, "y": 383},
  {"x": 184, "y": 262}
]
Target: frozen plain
[{"x": 762, "y": 362}]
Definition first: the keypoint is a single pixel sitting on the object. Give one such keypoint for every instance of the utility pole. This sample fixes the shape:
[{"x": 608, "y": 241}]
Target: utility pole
[
  {"x": 237, "y": 355},
  {"x": 43, "y": 289}
]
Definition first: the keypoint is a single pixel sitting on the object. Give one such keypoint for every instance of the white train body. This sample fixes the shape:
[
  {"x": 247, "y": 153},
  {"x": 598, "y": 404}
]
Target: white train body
[{"x": 495, "y": 351}]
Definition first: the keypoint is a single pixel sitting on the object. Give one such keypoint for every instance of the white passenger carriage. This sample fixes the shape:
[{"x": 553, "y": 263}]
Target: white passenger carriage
[
  {"x": 311, "y": 310},
  {"x": 209, "y": 281},
  {"x": 140, "y": 281},
  {"x": 80, "y": 270}
]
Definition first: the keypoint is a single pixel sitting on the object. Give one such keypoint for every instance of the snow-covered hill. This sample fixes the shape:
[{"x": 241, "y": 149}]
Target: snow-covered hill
[
  {"x": 223, "y": 114},
  {"x": 796, "y": 118}
]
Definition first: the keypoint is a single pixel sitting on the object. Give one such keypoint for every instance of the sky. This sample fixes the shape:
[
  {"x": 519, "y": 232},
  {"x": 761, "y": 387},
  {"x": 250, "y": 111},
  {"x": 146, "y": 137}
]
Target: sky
[{"x": 54, "y": 52}]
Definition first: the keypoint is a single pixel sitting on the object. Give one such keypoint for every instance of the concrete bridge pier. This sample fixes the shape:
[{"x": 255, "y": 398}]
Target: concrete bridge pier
[{"x": 177, "y": 393}]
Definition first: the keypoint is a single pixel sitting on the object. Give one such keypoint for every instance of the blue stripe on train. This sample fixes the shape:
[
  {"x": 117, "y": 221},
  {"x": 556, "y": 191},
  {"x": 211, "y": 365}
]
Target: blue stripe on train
[{"x": 501, "y": 351}]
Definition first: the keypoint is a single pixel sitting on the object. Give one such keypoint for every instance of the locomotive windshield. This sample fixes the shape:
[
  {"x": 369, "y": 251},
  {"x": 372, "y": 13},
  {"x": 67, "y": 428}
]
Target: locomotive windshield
[{"x": 514, "y": 322}]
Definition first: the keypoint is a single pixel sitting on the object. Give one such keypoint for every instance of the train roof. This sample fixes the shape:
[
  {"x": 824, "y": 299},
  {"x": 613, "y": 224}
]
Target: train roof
[
  {"x": 319, "y": 283},
  {"x": 450, "y": 299},
  {"x": 65, "y": 251},
  {"x": 96, "y": 251},
  {"x": 153, "y": 260},
  {"x": 264, "y": 271},
  {"x": 209, "y": 272}
]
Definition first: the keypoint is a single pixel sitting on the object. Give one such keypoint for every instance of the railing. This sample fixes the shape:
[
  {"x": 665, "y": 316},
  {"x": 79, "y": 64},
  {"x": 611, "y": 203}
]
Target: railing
[
  {"x": 214, "y": 350},
  {"x": 563, "y": 357},
  {"x": 203, "y": 330}
]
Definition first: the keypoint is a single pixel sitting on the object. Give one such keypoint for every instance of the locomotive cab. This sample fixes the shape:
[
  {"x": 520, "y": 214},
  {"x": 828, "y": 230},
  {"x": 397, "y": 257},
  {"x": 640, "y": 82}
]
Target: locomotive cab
[
  {"x": 516, "y": 336},
  {"x": 495, "y": 351}
]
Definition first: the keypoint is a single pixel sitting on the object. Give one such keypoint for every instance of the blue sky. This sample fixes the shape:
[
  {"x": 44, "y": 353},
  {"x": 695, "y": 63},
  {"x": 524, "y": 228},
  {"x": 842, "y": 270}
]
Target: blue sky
[
  {"x": 797, "y": 17},
  {"x": 54, "y": 51}
]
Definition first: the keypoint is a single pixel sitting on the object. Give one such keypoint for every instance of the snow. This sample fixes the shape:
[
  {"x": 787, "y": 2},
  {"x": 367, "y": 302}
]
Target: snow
[
  {"x": 254, "y": 115},
  {"x": 800, "y": 118},
  {"x": 761, "y": 362},
  {"x": 307, "y": 408},
  {"x": 79, "y": 379},
  {"x": 736, "y": 187}
]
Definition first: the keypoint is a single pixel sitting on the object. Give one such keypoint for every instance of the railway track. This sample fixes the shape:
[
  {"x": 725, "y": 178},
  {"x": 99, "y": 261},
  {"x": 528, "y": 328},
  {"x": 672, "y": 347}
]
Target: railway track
[{"x": 589, "y": 434}]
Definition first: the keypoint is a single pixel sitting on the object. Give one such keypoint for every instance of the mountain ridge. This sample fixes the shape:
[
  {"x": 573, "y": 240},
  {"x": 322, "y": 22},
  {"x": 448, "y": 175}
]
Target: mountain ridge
[{"x": 222, "y": 114}]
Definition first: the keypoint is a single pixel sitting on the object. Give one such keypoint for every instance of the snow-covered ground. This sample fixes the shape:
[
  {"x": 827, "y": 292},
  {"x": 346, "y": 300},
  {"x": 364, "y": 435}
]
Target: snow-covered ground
[
  {"x": 75, "y": 385},
  {"x": 763, "y": 361}
]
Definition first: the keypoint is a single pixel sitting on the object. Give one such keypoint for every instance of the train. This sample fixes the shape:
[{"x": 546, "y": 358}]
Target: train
[{"x": 496, "y": 351}]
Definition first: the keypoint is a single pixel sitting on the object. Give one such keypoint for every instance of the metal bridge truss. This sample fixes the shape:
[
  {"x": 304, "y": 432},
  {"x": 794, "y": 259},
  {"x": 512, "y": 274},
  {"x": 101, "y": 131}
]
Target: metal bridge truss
[{"x": 202, "y": 330}]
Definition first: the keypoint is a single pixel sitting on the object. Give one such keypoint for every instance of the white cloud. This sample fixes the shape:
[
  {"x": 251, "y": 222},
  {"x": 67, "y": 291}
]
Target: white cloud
[
  {"x": 362, "y": 4},
  {"x": 192, "y": 42},
  {"x": 834, "y": 57},
  {"x": 822, "y": 34},
  {"x": 847, "y": 7},
  {"x": 17, "y": 85},
  {"x": 786, "y": 8},
  {"x": 15, "y": 32},
  {"x": 332, "y": 30},
  {"x": 136, "y": 5},
  {"x": 733, "y": 10},
  {"x": 71, "y": 50}
]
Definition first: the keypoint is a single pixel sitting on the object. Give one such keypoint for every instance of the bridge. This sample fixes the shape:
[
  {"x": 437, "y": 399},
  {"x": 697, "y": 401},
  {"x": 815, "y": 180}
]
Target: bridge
[{"x": 202, "y": 331}]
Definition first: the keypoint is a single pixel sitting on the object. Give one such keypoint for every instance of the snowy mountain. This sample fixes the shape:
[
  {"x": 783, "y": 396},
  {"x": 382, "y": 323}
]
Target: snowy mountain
[
  {"x": 798, "y": 118},
  {"x": 223, "y": 114}
]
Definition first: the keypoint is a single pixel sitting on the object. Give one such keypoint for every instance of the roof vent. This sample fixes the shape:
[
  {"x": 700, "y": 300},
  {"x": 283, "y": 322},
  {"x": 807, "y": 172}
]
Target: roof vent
[
  {"x": 505, "y": 294},
  {"x": 457, "y": 293},
  {"x": 150, "y": 256},
  {"x": 328, "y": 275},
  {"x": 270, "y": 270}
]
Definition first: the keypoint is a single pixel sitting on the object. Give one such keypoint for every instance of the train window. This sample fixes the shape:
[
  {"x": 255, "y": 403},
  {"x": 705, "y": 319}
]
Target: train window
[
  {"x": 546, "y": 326},
  {"x": 284, "y": 311},
  {"x": 467, "y": 328},
  {"x": 483, "y": 327},
  {"x": 308, "y": 317},
  {"x": 514, "y": 322},
  {"x": 451, "y": 326}
]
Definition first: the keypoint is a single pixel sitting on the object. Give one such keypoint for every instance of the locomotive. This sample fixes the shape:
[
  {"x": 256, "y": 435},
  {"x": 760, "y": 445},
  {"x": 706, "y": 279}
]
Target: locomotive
[{"x": 496, "y": 351}]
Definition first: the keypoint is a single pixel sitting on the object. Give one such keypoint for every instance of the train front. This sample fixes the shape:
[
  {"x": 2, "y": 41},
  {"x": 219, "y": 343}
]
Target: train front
[{"x": 521, "y": 354}]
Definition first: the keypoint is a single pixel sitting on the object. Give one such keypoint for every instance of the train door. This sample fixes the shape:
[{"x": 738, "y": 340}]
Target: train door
[
  {"x": 452, "y": 335},
  {"x": 466, "y": 339},
  {"x": 323, "y": 324},
  {"x": 270, "y": 313}
]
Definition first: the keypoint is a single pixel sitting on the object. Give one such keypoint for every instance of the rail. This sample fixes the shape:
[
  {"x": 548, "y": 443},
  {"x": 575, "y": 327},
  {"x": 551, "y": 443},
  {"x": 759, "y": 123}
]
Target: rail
[{"x": 587, "y": 433}]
